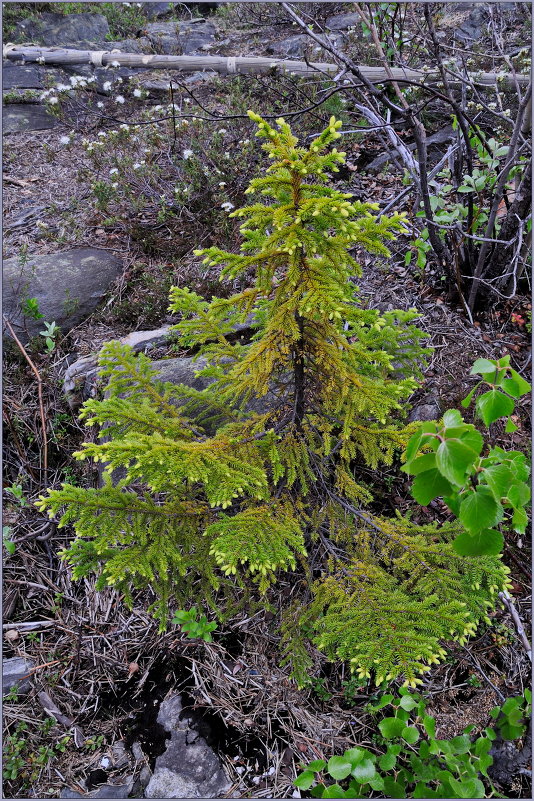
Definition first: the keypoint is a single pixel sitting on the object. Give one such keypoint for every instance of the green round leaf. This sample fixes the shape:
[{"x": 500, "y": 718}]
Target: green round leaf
[
  {"x": 482, "y": 367},
  {"x": 453, "y": 458},
  {"x": 334, "y": 791},
  {"x": 498, "y": 477},
  {"x": 338, "y": 767},
  {"x": 410, "y": 734},
  {"x": 519, "y": 521},
  {"x": 484, "y": 543},
  {"x": 494, "y": 404},
  {"x": 429, "y": 485},
  {"x": 363, "y": 771},
  {"x": 452, "y": 417},
  {"x": 408, "y": 702},
  {"x": 518, "y": 494},
  {"x": 391, "y": 727},
  {"x": 316, "y": 765},
  {"x": 304, "y": 780},
  {"x": 480, "y": 510},
  {"x": 387, "y": 761},
  {"x": 430, "y": 726}
]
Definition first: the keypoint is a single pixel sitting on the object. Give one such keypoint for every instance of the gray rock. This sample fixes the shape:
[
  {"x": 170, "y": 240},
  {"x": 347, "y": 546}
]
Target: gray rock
[
  {"x": 64, "y": 30},
  {"x": 182, "y": 371},
  {"x": 180, "y": 38},
  {"x": 473, "y": 24},
  {"x": 15, "y": 674},
  {"x": 188, "y": 768},
  {"x": 156, "y": 10},
  {"x": 26, "y": 117},
  {"x": 145, "y": 776},
  {"x": 169, "y": 714},
  {"x": 68, "y": 286},
  {"x": 341, "y": 22},
  {"x": 15, "y": 76},
  {"x": 302, "y": 46},
  {"x": 293, "y": 47},
  {"x": 146, "y": 340},
  {"x": 140, "y": 45},
  {"x": 105, "y": 791},
  {"x": 428, "y": 409}
]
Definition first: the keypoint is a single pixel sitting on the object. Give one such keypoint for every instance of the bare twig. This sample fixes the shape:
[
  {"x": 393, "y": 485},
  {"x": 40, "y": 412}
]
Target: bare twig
[
  {"x": 509, "y": 604},
  {"x": 39, "y": 392}
]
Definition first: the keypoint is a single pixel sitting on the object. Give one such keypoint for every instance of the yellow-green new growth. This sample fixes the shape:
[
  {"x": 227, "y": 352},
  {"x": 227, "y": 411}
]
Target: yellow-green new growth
[{"x": 262, "y": 470}]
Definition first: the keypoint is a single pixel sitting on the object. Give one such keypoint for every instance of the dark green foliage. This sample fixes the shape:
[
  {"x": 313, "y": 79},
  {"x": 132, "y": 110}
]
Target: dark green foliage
[{"x": 206, "y": 515}]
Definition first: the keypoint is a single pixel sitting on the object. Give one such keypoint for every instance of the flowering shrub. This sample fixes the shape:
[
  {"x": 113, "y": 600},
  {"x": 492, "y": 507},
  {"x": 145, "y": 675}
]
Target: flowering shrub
[{"x": 162, "y": 172}]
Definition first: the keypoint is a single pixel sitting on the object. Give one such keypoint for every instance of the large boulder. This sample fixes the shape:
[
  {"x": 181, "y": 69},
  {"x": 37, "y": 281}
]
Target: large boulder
[
  {"x": 68, "y": 287},
  {"x": 63, "y": 30},
  {"x": 189, "y": 768}
]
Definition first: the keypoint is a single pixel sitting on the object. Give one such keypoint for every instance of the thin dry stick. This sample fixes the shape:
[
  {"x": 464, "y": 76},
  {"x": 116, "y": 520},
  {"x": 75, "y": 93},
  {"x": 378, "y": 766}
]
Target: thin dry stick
[
  {"x": 509, "y": 604},
  {"x": 39, "y": 391}
]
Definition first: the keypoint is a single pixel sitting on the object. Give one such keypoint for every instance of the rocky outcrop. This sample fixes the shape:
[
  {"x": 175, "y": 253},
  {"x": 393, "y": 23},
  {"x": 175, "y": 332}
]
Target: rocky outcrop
[
  {"x": 62, "y": 30},
  {"x": 68, "y": 287}
]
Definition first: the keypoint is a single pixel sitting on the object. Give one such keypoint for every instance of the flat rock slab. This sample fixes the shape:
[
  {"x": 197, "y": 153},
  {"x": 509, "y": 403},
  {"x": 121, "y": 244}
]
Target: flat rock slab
[
  {"x": 62, "y": 30},
  {"x": 68, "y": 287},
  {"x": 15, "y": 674},
  {"x": 26, "y": 117},
  {"x": 16, "y": 76}
]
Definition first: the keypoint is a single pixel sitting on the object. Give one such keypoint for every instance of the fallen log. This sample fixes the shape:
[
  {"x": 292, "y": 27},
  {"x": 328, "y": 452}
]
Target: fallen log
[{"x": 237, "y": 65}]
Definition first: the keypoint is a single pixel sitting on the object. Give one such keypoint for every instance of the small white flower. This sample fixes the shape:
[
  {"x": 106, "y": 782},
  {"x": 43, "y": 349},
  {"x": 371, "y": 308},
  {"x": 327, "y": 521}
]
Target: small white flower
[
  {"x": 222, "y": 183},
  {"x": 90, "y": 148},
  {"x": 222, "y": 130},
  {"x": 113, "y": 171},
  {"x": 137, "y": 93},
  {"x": 227, "y": 206},
  {"x": 137, "y": 165},
  {"x": 187, "y": 154},
  {"x": 186, "y": 100},
  {"x": 100, "y": 104},
  {"x": 101, "y": 133},
  {"x": 119, "y": 99},
  {"x": 106, "y": 86},
  {"x": 61, "y": 87},
  {"x": 53, "y": 101},
  {"x": 227, "y": 155},
  {"x": 114, "y": 64},
  {"x": 124, "y": 127},
  {"x": 246, "y": 141},
  {"x": 64, "y": 140},
  {"x": 114, "y": 186}
]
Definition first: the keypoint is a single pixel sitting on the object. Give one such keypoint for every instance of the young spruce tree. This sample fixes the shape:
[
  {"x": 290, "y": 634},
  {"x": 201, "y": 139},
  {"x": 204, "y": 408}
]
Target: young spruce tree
[{"x": 239, "y": 481}]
